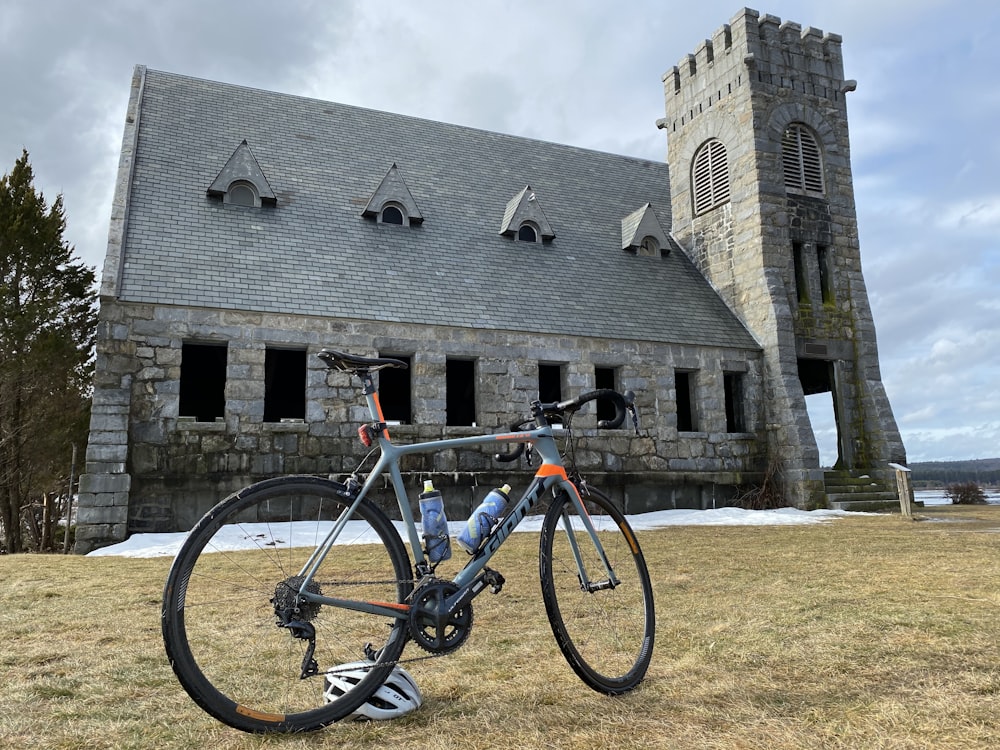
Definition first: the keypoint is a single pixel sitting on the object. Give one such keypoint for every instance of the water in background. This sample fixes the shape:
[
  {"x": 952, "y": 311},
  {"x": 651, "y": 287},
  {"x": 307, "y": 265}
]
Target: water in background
[{"x": 937, "y": 497}]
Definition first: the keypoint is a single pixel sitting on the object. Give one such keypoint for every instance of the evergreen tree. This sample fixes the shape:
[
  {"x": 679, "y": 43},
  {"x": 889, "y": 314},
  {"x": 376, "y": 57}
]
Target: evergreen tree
[{"x": 47, "y": 327}]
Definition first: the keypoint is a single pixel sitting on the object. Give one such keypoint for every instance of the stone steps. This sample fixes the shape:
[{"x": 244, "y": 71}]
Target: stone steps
[{"x": 858, "y": 490}]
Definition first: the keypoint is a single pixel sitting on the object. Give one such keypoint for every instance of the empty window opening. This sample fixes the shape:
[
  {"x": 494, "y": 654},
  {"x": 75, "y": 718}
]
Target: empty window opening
[
  {"x": 550, "y": 386},
  {"x": 203, "y": 381},
  {"x": 733, "y": 384},
  {"x": 549, "y": 383},
  {"x": 825, "y": 273},
  {"x": 392, "y": 215},
  {"x": 801, "y": 280},
  {"x": 460, "y": 385},
  {"x": 605, "y": 377},
  {"x": 686, "y": 421},
  {"x": 527, "y": 233},
  {"x": 284, "y": 384},
  {"x": 394, "y": 391}
]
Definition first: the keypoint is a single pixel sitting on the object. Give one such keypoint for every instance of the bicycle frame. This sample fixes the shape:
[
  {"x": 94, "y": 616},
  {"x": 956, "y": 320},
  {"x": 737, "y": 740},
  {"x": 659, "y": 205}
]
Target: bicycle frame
[{"x": 470, "y": 580}]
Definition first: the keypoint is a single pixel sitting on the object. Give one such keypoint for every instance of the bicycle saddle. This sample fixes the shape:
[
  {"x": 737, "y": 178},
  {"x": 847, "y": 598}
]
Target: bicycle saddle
[{"x": 353, "y": 363}]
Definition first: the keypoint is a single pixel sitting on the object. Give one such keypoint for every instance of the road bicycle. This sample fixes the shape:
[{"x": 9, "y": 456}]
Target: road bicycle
[{"x": 291, "y": 578}]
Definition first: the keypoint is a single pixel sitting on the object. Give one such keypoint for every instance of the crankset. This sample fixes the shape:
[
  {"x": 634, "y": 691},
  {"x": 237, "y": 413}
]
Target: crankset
[{"x": 432, "y": 626}]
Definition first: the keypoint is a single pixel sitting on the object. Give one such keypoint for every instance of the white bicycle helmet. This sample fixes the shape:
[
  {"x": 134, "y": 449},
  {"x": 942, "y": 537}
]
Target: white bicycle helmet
[{"x": 398, "y": 695}]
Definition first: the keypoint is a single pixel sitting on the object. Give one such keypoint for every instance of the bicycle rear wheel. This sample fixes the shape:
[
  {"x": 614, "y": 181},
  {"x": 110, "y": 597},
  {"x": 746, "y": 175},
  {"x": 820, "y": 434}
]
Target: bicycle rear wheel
[
  {"x": 239, "y": 565},
  {"x": 605, "y": 630}
]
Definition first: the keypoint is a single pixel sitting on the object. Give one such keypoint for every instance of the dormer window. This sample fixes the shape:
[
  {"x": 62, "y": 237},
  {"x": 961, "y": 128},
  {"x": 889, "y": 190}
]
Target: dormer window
[
  {"x": 392, "y": 202},
  {"x": 642, "y": 233},
  {"x": 527, "y": 233},
  {"x": 241, "y": 182},
  {"x": 524, "y": 220},
  {"x": 392, "y": 215}
]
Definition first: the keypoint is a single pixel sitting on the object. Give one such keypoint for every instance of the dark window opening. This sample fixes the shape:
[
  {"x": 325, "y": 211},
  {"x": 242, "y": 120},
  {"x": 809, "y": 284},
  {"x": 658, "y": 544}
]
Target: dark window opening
[
  {"x": 549, "y": 383},
  {"x": 527, "y": 233},
  {"x": 550, "y": 386},
  {"x": 825, "y": 273},
  {"x": 460, "y": 388},
  {"x": 604, "y": 377},
  {"x": 733, "y": 383},
  {"x": 203, "y": 381},
  {"x": 392, "y": 215},
  {"x": 801, "y": 280},
  {"x": 394, "y": 391},
  {"x": 685, "y": 405},
  {"x": 284, "y": 384}
]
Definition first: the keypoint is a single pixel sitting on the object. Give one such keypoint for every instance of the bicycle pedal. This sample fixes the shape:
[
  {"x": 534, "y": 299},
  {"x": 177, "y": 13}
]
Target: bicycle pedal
[{"x": 494, "y": 580}]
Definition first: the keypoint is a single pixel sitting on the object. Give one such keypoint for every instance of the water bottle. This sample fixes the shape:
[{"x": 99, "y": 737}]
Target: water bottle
[
  {"x": 435, "y": 524},
  {"x": 482, "y": 519}
]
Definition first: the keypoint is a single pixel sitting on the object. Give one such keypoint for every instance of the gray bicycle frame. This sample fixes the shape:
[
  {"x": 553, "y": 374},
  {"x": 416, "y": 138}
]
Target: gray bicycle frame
[{"x": 550, "y": 474}]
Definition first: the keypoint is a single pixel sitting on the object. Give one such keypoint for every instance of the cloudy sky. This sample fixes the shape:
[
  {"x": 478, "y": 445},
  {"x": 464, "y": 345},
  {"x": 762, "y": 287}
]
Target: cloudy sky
[{"x": 924, "y": 123}]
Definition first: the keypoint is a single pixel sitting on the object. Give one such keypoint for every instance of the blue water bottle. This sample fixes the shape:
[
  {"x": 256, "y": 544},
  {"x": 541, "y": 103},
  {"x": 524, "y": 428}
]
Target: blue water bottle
[
  {"x": 482, "y": 519},
  {"x": 435, "y": 524}
]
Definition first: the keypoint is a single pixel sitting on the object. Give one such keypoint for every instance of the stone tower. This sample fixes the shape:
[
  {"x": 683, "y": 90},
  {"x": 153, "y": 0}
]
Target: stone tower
[{"x": 763, "y": 201}]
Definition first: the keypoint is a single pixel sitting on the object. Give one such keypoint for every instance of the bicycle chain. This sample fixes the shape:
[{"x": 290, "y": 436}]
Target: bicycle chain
[{"x": 385, "y": 583}]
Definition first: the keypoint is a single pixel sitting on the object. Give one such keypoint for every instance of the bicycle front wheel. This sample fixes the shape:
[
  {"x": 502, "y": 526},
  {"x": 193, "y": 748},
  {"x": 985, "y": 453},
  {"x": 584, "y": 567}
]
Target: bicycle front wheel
[
  {"x": 239, "y": 570},
  {"x": 604, "y": 625}
]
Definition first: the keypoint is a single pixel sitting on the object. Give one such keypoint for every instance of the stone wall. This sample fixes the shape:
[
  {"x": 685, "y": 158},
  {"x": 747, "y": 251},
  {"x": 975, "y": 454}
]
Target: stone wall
[{"x": 151, "y": 469}]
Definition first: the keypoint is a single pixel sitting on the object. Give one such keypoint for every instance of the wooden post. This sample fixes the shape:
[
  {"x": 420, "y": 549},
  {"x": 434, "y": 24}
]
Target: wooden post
[
  {"x": 903, "y": 489},
  {"x": 69, "y": 502}
]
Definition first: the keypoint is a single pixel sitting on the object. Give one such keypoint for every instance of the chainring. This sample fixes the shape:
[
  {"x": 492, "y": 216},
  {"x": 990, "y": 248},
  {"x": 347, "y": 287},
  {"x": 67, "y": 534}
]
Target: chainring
[{"x": 432, "y": 632}]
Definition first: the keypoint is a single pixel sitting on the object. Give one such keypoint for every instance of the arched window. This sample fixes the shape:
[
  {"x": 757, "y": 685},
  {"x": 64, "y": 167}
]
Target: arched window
[
  {"x": 801, "y": 161},
  {"x": 649, "y": 246},
  {"x": 710, "y": 176},
  {"x": 527, "y": 233},
  {"x": 392, "y": 215},
  {"x": 242, "y": 194}
]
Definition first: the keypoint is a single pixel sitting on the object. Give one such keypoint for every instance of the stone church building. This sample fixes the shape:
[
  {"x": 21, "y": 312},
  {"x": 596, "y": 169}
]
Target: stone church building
[{"x": 250, "y": 229}]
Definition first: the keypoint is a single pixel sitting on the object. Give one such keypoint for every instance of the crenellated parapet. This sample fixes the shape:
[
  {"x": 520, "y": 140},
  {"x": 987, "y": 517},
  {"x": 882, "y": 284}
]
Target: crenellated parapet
[{"x": 755, "y": 50}]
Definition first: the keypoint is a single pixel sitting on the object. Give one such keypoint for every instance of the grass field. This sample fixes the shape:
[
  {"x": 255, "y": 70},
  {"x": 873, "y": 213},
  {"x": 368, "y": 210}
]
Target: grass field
[{"x": 868, "y": 632}]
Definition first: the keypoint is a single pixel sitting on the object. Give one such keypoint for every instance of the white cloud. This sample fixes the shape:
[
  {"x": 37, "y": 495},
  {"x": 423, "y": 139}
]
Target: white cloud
[{"x": 975, "y": 214}]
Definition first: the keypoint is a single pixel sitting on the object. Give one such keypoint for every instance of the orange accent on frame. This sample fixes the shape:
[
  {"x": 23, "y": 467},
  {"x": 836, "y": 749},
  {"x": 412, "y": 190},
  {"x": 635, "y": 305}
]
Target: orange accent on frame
[
  {"x": 378, "y": 411},
  {"x": 393, "y": 605},
  {"x": 551, "y": 470}
]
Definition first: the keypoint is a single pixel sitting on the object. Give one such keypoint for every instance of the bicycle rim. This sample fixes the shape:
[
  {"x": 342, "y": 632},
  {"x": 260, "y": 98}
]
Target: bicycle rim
[
  {"x": 219, "y": 622},
  {"x": 606, "y": 634}
]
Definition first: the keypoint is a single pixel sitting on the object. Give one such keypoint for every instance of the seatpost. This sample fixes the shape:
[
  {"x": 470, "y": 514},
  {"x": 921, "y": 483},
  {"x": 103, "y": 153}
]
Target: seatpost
[{"x": 367, "y": 382}]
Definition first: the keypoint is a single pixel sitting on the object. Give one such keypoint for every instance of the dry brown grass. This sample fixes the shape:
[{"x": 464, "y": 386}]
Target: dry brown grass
[{"x": 871, "y": 632}]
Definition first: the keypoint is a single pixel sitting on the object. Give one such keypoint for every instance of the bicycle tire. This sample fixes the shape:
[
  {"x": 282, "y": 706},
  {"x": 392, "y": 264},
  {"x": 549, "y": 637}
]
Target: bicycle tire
[
  {"x": 606, "y": 634},
  {"x": 219, "y": 622}
]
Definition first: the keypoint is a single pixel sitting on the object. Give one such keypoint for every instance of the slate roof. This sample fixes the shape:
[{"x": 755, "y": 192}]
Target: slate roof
[{"x": 313, "y": 253}]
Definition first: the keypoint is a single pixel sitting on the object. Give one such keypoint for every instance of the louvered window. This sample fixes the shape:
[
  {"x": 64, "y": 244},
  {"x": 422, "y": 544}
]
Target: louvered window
[
  {"x": 710, "y": 176},
  {"x": 801, "y": 160}
]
